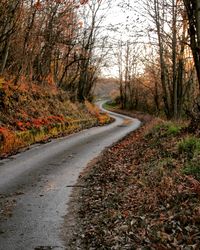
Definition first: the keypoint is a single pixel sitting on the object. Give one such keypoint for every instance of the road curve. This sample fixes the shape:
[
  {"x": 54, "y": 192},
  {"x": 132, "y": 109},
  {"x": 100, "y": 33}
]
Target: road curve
[{"x": 35, "y": 185}]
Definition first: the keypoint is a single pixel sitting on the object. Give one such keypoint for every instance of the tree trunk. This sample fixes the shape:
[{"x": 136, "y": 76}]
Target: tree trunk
[
  {"x": 5, "y": 57},
  {"x": 174, "y": 48},
  {"x": 193, "y": 13},
  {"x": 162, "y": 62}
]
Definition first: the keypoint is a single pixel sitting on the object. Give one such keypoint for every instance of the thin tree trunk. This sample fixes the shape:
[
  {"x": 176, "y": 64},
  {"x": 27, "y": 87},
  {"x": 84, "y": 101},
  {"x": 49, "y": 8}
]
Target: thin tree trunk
[
  {"x": 5, "y": 56},
  {"x": 198, "y": 24},
  {"x": 174, "y": 47},
  {"x": 162, "y": 63},
  {"x": 193, "y": 12}
]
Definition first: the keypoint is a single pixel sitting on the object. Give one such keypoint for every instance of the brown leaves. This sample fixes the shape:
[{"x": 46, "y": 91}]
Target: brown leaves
[
  {"x": 137, "y": 197},
  {"x": 195, "y": 184},
  {"x": 84, "y": 1},
  {"x": 6, "y": 206},
  {"x": 38, "y": 5}
]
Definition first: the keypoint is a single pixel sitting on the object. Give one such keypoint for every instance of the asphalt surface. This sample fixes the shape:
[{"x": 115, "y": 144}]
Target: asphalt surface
[{"x": 35, "y": 185}]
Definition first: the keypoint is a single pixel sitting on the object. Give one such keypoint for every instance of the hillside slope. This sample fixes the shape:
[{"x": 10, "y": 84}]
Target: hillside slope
[
  {"x": 32, "y": 113},
  {"x": 141, "y": 193},
  {"x": 106, "y": 88}
]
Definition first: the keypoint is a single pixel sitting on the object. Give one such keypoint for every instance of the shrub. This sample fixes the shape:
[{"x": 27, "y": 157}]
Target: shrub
[
  {"x": 173, "y": 129},
  {"x": 193, "y": 167},
  {"x": 8, "y": 140},
  {"x": 165, "y": 129},
  {"x": 189, "y": 146}
]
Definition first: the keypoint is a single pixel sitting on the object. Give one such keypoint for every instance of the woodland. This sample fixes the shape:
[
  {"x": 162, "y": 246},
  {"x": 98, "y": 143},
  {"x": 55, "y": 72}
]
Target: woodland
[
  {"x": 64, "y": 44},
  {"x": 169, "y": 82},
  {"x": 143, "y": 192},
  {"x": 47, "y": 70}
]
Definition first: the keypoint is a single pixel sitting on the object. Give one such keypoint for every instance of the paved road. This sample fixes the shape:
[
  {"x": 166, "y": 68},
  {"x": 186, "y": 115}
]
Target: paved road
[{"x": 35, "y": 185}]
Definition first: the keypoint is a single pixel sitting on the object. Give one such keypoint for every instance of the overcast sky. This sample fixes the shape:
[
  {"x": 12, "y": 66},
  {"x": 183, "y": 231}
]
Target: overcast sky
[{"x": 125, "y": 18}]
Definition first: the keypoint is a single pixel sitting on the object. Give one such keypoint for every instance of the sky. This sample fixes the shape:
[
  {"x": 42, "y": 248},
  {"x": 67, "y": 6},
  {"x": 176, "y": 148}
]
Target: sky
[{"x": 123, "y": 22}]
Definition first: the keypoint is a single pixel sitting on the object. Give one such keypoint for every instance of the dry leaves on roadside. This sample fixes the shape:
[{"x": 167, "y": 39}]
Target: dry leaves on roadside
[{"x": 136, "y": 197}]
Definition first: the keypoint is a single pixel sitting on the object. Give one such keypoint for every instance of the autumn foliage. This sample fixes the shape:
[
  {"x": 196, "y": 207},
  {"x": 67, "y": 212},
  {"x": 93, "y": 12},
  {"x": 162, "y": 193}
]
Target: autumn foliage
[
  {"x": 32, "y": 113},
  {"x": 46, "y": 42}
]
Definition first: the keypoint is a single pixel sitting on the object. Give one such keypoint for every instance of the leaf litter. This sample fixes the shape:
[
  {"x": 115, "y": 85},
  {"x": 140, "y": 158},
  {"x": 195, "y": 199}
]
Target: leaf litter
[{"x": 135, "y": 196}]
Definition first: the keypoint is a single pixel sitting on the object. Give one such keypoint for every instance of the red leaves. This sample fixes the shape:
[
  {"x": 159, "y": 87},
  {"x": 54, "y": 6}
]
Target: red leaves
[
  {"x": 20, "y": 125},
  {"x": 39, "y": 122},
  {"x": 2, "y": 130},
  {"x": 83, "y": 1},
  {"x": 32, "y": 113},
  {"x": 7, "y": 140},
  {"x": 38, "y": 5}
]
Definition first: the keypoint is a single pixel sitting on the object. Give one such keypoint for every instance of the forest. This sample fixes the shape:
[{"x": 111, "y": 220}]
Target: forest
[
  {"x": 47, "y": 69},
  {"x": 44, "y": 42},
  {"x": 169, "y": 57},
  {"x": 142, "y": 191},
  {"x": 57, "y": 50},
  {"x": 63, "y": 43}
]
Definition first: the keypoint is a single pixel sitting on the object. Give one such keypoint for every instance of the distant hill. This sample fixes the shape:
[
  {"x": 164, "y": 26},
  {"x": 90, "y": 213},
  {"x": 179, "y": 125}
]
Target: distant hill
[{"x": 106, "y": 87}]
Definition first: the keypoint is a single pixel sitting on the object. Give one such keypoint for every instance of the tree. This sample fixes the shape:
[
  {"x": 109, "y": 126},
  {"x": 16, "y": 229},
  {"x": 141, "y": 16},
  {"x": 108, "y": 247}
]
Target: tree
[
  {"x": 128, "y": 57},
  {"x": 193, "y": 13},
  {"x": 52, "y": 42},
  {"x": 88, "y": 41},
  {"x": 171, "y": 29},
  {"x": 9, "y": 18}
]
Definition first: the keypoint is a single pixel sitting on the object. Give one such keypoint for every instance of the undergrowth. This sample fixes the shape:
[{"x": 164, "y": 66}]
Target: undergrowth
[
  {"x": 143, "y": 193},
  {"x": 32, "y": 113}
]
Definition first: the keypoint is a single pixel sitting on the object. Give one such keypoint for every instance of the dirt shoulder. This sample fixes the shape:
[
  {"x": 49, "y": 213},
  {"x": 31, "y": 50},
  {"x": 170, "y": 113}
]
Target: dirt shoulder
[{"x": 137, "y": 196}]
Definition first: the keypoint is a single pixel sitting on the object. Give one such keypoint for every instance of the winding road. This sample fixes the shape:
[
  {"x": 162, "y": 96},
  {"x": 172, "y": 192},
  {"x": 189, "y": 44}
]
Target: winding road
[{"x": 35, "y": 185}]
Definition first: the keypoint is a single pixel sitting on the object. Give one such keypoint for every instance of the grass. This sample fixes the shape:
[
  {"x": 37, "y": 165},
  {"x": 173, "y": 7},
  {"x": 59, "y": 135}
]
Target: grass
[
  {"x": 110, "y": 104},
  {"x": 189, "y": 146},
  {"x": 167, "y": 129},
  {"x": 173, "y": 129},
  {"x": 193, "y": 169}
]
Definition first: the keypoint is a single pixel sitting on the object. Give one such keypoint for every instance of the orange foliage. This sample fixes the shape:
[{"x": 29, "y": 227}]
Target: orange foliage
[
  {"x": 8, "y": 140},
  {"x": 103, "y": 118},
  {"x": 31, "y": 113},
  {"x": 39, "y": 122},
  {"x": 92, "y": 109},
  {"x": 95, "y": 111},
  {"x": 84, "y": 1}
]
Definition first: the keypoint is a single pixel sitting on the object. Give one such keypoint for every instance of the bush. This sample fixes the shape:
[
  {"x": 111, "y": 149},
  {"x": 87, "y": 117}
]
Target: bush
[
  {"x": 193, "y": 167},
  {"x": 165, "y": 129},
  {"x": 173, "y": 129},
  {"x": 189, "y": 146}
]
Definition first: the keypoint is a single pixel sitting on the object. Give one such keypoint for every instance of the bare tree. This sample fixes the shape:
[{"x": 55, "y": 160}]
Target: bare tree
[
  {"x": 9, "y": 17},
  {"x": 92, "y": 27},
  {"x": 168, "y": 17}
]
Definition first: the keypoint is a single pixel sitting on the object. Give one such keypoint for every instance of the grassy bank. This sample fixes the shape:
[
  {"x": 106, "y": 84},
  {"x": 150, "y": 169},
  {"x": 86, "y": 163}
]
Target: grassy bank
[
  {"x": 31, "y": 113},
  {"x": 142, "y": 193}
]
